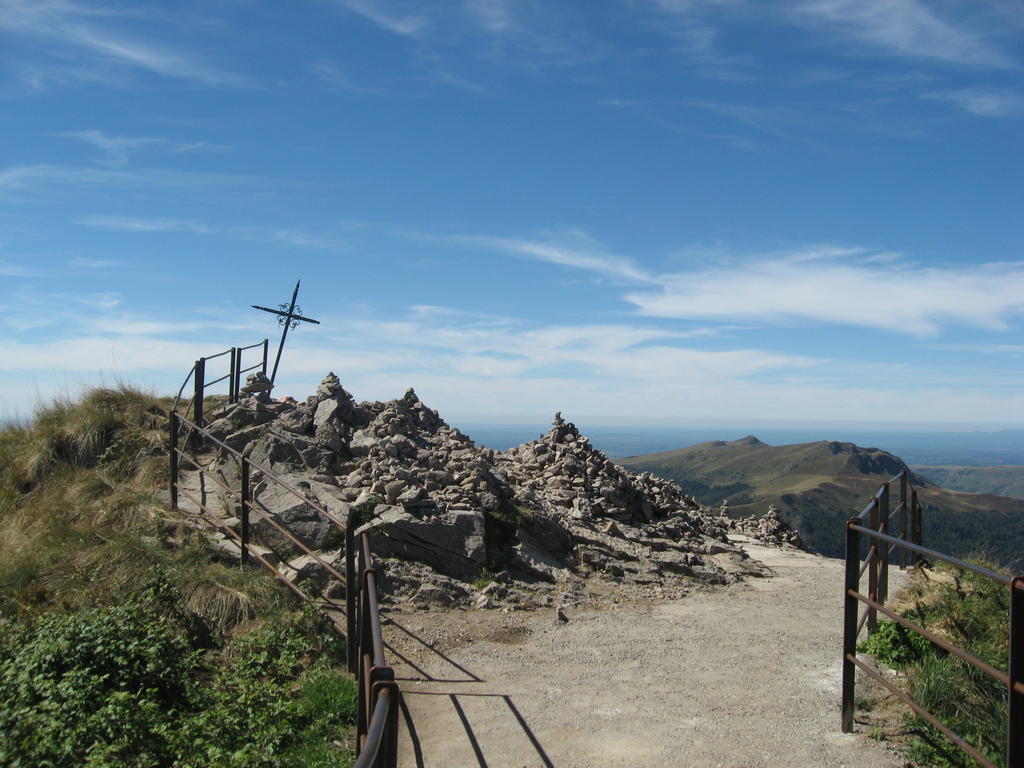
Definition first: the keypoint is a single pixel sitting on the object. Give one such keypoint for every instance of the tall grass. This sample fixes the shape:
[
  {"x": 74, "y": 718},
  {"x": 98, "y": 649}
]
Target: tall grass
[{"x": 970, "y": 611}]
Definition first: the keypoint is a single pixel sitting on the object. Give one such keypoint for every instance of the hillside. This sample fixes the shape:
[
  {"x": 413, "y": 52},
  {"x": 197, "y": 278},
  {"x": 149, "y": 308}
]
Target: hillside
[
  {"x": 1002, "y": 481},
  {"x": 819, "y": 485}
]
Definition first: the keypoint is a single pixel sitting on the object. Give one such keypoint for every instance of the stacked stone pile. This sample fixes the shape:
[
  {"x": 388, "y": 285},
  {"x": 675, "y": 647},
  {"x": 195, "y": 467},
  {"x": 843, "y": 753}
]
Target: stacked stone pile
[
  {"x": 550, "y": 512},
  {"x": 563, "y": 476},
  {"x": 770, "y": 528}
]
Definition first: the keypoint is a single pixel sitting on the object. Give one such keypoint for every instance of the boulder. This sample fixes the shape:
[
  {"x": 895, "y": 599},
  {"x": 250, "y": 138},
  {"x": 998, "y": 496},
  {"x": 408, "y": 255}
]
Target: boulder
[{"x": 452, "y": 543}]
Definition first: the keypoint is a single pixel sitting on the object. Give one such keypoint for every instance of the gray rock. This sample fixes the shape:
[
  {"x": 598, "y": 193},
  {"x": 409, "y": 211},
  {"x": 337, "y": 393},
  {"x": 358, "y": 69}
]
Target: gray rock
[{"x": 452, "y": 543}]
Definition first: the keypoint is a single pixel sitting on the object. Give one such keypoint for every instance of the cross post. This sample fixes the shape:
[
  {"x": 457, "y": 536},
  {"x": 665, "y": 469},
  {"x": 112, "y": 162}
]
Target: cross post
[{"x": 289, "y": 319}]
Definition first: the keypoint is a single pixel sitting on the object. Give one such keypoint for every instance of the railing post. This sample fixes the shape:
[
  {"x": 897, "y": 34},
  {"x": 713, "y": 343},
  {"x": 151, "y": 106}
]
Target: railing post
[
  {"x": 1015, "y": 712},
  {"x": 873, "y": 553},
  {"x": 245, "y": 512},
  {"x": 883, "y": 547},
  {"x": 265, "y": 349},
  {"x": 904, "y": 513},
  {"x": 917, "y": 527},
  {"x": 200, "y": 385},
  {"x": 351, "y": 591},
  {"x": 391, "y": 732},
  {"x": 850, "y": 582},
  {"x": 174, "y": 460},
  {"x": 233, "y": 375}
]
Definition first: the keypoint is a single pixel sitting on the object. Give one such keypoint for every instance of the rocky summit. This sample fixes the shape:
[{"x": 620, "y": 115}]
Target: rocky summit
[{"x": 460, "y": 524}]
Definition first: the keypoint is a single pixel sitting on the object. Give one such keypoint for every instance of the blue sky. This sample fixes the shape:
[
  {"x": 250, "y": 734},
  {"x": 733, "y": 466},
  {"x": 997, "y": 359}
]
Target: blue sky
[{"x": 662, "y": 212}]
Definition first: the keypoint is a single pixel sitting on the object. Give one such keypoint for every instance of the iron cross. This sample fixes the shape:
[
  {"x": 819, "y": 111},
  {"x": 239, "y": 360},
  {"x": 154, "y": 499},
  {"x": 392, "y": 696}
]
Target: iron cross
[{"x": 289, "y": 319}]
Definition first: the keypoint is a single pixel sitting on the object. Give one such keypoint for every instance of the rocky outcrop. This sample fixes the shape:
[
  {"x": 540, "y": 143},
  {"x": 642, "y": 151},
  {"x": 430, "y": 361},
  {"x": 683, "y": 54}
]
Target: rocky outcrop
[{"x": 547, "y": 513}]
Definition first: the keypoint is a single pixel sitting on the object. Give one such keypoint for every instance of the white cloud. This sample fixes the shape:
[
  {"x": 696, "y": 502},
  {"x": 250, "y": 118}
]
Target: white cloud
[
  {"x": 987, "y": 102},
  {"x": 908, "y": 28},
  {"x": 825, "y": 283},
  {"x": 886, "y": 295}
]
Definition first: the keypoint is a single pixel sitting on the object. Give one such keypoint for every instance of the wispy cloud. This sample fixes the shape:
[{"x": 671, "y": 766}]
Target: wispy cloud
[
  {"x": 576, "y": 249},
  {"x": 907, "y": 28},
  {"x": 291, "y": 237},
  {"x": 117, "y": 150},
  {"x": 387, "y": 16},
  {"x": 13, "y": 270},
  {"x": 308, "y": 240},
  {"x": 987, "y": 102},
  {"x": 90, "y": 31},
  {"x": 90, "y": 263},
  {"x": 132, "y": 224},
  {"x": 28, "y": 176}
]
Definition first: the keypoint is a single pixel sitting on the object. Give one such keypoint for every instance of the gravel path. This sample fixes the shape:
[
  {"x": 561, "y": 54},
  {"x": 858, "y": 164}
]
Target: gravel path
[{"x": 742, "y": 677}]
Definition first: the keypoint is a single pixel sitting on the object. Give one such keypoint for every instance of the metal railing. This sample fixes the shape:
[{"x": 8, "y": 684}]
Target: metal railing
[
  {"x": 873, "y": 527},
  {"x": 234, "y": 377},
  {"x": 378, "y": 696}
]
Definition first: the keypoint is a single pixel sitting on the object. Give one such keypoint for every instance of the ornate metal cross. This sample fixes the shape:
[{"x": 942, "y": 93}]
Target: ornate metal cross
[{"x": 289, "y": 318}]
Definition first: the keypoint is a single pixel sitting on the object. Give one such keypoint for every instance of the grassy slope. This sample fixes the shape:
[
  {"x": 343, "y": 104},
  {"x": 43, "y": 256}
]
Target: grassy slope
[
  {"x": 82, "y": 541},
  {"x": 819, "y": 485},
  {"x": 1002, "y": 481}
]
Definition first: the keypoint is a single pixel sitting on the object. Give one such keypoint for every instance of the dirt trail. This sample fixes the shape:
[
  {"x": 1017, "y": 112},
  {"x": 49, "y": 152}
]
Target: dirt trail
[{"x": 742, "y": 677}]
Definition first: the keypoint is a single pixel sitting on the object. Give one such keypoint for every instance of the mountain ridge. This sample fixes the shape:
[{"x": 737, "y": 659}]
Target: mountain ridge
[{"x": 818, "y": 485}]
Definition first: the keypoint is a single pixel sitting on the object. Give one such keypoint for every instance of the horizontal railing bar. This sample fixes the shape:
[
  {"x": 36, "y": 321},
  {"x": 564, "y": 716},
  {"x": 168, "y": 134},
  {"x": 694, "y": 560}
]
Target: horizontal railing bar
[
  {"x": 219, "y": 354},
  {"x": 989, "y": 670},
  {"x": 1005, "y": 580},
  {"x": 252, "y": 367},
  {"x": 867, "y": 509},
  {"x": 895, "y": 478},
  {"x": 267, "y": 516},
  {"x": 266, "y": 472},
  {"x": 251, "y": 346},
  {"x": 375, "y": 731},
  {"x": 209, "y": 384},
  {"x": 923, "y": 713}
]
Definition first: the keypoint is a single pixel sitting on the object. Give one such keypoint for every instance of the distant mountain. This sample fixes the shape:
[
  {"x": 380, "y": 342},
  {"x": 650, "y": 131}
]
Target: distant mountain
[
  {"x": 819, "y": 485},
  {"x": 1002, "y": 481}
]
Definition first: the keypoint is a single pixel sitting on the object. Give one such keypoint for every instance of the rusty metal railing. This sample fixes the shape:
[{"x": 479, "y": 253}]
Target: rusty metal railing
[
  {"x": 873, "y": 527},
  {"x": 378, "y": 698},
  {"x": 234, "y": 377}
]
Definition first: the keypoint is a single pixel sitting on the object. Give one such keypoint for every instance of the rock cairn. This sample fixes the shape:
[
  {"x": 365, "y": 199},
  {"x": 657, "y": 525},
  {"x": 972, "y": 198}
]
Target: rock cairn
[
  {"x": 456, "y": 519},
  {"x": 769, "y": 528}
]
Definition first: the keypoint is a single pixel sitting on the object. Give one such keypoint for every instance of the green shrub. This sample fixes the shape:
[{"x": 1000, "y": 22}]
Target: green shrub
[
  {"x": 134, "y": 685},
  {"x": 895, "y": 645}
]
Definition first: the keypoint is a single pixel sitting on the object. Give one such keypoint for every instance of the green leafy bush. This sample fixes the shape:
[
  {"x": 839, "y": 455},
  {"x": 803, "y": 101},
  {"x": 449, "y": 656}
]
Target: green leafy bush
[
  {"x": 895, "y": 645},
  {"x": 134, "y": 685}
]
